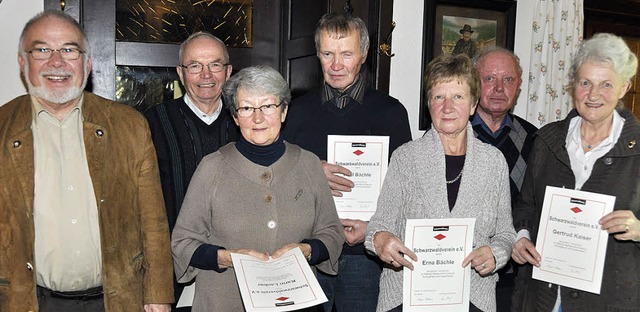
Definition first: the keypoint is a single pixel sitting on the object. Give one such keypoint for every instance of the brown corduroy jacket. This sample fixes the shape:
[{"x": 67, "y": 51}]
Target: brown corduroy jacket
[{"x": 136, "y": 254}]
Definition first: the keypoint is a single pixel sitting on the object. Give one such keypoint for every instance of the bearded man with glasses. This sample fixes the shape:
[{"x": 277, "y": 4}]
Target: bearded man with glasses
[
  {"x": 186, "y": 129},
  {"x": 82, "y": 223}
]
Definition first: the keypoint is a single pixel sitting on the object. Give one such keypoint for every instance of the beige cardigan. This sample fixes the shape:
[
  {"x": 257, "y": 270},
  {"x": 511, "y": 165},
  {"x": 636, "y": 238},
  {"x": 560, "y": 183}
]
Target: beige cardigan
[{"x": 235, "y": 203}]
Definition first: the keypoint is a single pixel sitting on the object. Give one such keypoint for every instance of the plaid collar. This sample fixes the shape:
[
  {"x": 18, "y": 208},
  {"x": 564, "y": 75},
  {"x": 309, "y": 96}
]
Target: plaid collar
[
  {"x": 341, "y": 99},
  {"x": 506, "y": 123}
]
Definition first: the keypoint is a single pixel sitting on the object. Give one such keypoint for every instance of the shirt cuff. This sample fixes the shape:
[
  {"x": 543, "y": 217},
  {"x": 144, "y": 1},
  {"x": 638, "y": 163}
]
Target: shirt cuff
[
  {"x": 206, "y": 258},
  {"x": 319, "y": 252},
  {"x": 523, "y": 233}
]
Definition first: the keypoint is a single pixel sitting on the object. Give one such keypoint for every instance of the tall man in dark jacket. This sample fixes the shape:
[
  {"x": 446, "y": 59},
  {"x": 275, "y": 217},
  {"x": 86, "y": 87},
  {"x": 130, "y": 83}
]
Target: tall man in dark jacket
[
  {"x": 344, "y": 105},
  {"x": 186, "y": 129}
]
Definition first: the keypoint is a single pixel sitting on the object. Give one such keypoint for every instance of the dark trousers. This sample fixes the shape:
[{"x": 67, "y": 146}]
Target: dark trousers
[
  {"x": 472, "y": 308},
  {"x": 505, "y": 286},
  {"x": 81, "y": 301},
  {"x": 356, "y": 287}
]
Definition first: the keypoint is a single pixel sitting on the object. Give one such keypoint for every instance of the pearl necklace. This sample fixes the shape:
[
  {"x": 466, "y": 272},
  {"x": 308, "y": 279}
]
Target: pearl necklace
[{"x": 456, "y": 179}]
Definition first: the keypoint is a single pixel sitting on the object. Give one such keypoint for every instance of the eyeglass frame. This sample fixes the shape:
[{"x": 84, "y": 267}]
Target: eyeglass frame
[
  {"x": 51, "y": 51},
  {"x": 253, "y": 109},
  {"x": 223, "y": 65}
]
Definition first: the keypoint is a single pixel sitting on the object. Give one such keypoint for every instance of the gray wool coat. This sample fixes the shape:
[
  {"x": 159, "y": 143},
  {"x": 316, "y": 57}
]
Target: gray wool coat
[
  {"x": 415, "y": 188},
  {"x": 235, "y": 203}
]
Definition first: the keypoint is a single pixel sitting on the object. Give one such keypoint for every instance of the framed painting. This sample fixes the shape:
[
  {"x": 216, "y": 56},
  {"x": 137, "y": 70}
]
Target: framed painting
[{"x": 467, "y": 27}]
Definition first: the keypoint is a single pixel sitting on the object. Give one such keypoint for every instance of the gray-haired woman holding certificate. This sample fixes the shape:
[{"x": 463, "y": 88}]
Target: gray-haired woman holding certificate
[
  {"x": 447, "y": 173},
  {"x": 259, "y": 197},
  {"x": 594, "y": 149}
]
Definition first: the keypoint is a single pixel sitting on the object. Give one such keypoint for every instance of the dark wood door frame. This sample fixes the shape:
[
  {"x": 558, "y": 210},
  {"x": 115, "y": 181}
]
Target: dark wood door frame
[{"x": 98, "y": 19}]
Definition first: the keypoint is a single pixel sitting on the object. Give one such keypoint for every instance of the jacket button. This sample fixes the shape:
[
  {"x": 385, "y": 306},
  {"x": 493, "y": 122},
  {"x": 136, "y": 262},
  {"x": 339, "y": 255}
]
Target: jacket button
[
  {"x": 608, "y": 161},
  {"x": 574, "y": 294},
  {"x": 266, "y": 176},
  {"x": 99, "y": 133},
  {"x": 268, "y": 198},
  {"x": 29, "y": 266},
  {"x": 272, "y": 224},
  {"x": 632, "y": 143},
  {"x": 16, "y": 144}
]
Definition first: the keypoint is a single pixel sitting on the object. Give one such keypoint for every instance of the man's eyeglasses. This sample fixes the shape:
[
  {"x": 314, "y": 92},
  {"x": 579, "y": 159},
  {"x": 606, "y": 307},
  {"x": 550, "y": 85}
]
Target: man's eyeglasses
[
  {"x": 68, "y": 54},
  {"x": 247, "y": 111},
  {"x": 196, "y": 68}
]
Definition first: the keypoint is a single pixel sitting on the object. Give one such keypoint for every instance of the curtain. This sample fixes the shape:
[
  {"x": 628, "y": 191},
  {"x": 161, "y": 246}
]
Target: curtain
[{"x": 556, "y": 34}]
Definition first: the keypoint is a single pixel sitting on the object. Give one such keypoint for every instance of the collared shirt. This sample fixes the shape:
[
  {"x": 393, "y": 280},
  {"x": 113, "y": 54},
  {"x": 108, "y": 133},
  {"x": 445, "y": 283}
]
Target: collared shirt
[
  {"x": 582, "y": 162},
  {"x": 506, "y": 122},
  {"x": 208, "y": 119},
  {"x": 341, "y": 99},
  {"x": 67, "y": 231}
]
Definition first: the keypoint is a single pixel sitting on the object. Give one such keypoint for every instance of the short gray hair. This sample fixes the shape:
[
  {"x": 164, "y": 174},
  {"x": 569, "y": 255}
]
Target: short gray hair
[
  {"x": 262, "y": 80},
  {"x": 339, "y": 25},
  {"x": 205, "y": 34},
  {"x": 606, "y": 48},
  {"x": 495, "y": 49},
  {"x": 61, "y": 16}
]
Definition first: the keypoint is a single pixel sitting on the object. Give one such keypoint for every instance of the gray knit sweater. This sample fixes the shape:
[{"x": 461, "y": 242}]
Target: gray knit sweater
[{"x": 415, "y": 188}]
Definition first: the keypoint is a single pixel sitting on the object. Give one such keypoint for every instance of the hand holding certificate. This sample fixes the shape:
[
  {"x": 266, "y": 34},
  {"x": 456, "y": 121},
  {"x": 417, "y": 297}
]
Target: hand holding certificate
[
  {"x": 438, "y": 280},
  {"x": 571, "y": 243},
  {"x": 367, "y": 158},
  {"x": 282, "y": 284}
]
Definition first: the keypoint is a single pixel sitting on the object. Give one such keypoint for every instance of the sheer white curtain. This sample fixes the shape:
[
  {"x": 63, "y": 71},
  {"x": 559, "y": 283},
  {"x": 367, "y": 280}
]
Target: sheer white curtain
[{"x": 556, "y": 33}]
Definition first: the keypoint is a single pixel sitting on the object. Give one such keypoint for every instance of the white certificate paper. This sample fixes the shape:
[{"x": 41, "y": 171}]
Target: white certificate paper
[
  {"x": 438, "y": 281},
  {"x": 186, "y": 298},
  {"x": 367, "y": 157},
  {"x": 282, "y": 284},
  {"x": 570, "y": 241}
]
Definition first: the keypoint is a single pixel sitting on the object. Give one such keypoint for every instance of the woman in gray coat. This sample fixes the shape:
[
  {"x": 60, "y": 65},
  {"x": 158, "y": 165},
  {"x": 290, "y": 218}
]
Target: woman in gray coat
[
  {"x": 260, "y": 196},
  {"x": 447, "y": 173}
]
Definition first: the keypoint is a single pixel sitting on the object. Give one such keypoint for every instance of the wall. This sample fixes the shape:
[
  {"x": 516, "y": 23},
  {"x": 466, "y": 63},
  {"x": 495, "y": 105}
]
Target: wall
[
  {"x": 13, "y": 15},
  {"x": 405, "y": 65}
]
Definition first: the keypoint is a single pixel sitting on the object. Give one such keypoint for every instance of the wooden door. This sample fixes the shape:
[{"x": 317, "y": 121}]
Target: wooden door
[
  {"x": 281, "y": 37},
  {"x": 606, "y": 16},
  {"x": 631, "y": 99},
  {"x": 299, "y": 61}
]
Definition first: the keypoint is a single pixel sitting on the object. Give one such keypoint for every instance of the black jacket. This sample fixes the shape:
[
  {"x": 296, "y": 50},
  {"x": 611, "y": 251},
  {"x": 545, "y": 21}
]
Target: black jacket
[{"x": 616, "y": 173}]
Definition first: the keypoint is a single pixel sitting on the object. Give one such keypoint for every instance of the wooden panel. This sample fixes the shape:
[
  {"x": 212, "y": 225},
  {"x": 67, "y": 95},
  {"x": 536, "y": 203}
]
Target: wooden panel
[
  {"x": 301, "y": 67},
  {"x": 305, "y": 74},
  {"x": 99, "y": 22},
  {"x": 632, "y": 97},
  {"x": 606, "y": 16}
]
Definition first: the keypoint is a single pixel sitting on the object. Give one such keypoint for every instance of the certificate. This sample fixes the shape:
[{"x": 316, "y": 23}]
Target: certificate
[
  {"x": 570, "y": 241},
  {"x": 186, "y": 298},
  {"x": 438, "y": 281},
  {"x": 282, "y": 284},
  {"x": 367, "y": 157}
]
